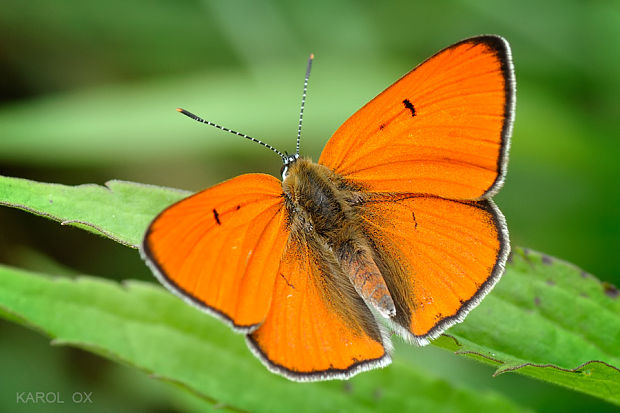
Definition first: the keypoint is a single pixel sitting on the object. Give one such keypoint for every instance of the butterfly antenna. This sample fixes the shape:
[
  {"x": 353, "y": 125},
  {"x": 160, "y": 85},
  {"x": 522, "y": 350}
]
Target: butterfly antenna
[
  {"x": 303, "y": 102},
  {"x": 199, "y": 119}
]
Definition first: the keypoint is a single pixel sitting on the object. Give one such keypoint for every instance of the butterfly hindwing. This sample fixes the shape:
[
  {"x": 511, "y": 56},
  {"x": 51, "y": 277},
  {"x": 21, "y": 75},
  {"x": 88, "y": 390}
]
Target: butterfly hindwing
[
  {"x": 439, "y": 257},
  {"x": 442, "y": 129},
  {"x": 312, "y": 331},
  {"x": 219, "y": 248}
]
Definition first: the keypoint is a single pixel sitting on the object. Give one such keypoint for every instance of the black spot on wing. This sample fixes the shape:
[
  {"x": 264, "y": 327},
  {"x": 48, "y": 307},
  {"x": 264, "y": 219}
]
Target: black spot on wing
[
  {"x": 409, "y": 106},
  {"x": 216, "y": 216}
]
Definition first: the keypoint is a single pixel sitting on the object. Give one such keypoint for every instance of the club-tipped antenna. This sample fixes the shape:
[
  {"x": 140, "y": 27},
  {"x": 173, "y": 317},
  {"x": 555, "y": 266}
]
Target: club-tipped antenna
[
  {"x": 303, "y": 102},
  {"x": 199, "y": 119}
]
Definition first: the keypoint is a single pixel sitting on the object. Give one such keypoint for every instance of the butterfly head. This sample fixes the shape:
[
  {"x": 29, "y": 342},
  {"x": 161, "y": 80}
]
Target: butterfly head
[{"x": 287, "y": 161}]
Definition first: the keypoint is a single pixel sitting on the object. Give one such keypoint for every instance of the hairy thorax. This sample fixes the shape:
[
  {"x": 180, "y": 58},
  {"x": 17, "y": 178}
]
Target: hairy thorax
[{"x": 324, "y": 213}]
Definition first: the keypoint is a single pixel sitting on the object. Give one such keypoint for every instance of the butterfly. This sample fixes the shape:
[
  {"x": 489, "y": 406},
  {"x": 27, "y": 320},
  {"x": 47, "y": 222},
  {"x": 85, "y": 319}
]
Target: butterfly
[{"x": 392, "y": 230}]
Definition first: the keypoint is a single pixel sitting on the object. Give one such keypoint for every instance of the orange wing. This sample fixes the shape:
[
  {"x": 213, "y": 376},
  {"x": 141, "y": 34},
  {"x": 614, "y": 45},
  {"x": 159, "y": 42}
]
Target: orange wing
[
  {"x": 219, "y": 249},
  {"x": 442, "y": 129},
  {"x": 448, "y": 255},
  {"x": 307, "y": 338}
]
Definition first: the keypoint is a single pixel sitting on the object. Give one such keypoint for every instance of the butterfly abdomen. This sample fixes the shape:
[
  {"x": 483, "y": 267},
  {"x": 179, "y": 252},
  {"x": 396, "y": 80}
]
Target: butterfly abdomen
[
  {"x": 318, "y": 208},
  {"x": 366, "y": 278}
]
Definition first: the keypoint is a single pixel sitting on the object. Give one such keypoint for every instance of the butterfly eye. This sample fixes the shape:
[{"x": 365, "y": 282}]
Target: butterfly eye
[{"x": 283, "y": 171}]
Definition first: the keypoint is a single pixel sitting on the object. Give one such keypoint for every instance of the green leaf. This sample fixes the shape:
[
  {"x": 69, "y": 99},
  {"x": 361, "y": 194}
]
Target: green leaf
[
  {"x": 549, "y": 320},
  {"x": 546, "y": 318},
  {"x": 119, "y": 210},
  {"x": 140, "y": 324}
]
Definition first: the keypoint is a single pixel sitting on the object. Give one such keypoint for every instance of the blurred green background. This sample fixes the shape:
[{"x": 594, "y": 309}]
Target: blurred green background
[{"x": 88, "y": 92}]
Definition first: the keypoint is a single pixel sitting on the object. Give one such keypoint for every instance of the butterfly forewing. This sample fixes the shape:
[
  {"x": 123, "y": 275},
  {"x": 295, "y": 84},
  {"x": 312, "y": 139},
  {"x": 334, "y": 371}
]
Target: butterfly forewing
[
  {"x": 220, "y": 248},
  {"x": 442, "y": 129}
]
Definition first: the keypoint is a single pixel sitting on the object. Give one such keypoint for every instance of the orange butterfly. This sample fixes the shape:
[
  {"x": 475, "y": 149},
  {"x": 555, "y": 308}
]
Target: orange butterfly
[{"x": 394, "y": 223}]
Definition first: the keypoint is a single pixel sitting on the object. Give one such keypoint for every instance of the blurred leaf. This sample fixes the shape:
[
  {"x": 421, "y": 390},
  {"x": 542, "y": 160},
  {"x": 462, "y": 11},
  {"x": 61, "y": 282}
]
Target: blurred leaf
[
  {"x": 137, "y": 122},
  {"x": 85, "y": 43},
  {"x": 142, "y": 325},
  {"x": 546, "y": 319}
]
